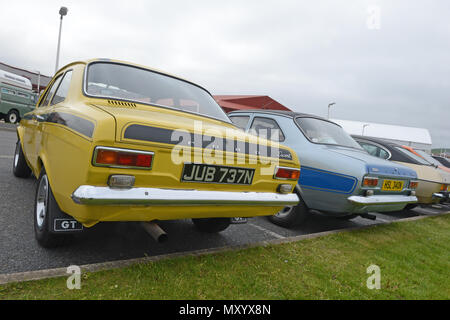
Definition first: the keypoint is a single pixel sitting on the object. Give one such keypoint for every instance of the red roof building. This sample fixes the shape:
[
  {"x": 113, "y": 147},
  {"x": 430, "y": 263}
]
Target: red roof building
[{"x": 230, "y": 103}]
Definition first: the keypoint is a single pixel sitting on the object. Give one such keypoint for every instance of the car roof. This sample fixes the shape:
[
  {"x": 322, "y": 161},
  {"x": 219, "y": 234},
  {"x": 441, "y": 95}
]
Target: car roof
[
  {"x": 377, "y": 140},
  {"x": 396, "y": 155},
  {"x": 290, "y": 114},
  {"x": 131, "y": 64}
]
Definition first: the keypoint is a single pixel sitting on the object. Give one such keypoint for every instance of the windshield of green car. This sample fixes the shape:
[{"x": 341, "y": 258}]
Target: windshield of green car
[
  {"x": 325, "y": 132},
  {"x": 126, "y": 82}
]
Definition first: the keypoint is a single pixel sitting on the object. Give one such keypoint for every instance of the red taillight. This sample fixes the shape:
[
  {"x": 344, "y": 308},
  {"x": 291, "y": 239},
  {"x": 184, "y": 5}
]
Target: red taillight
[
  {"x": 123, "y": 158},
  {"x": 287, "y": 173},
  {"x": 370, "y": 182},
  {"x": 413, "y": 184}
]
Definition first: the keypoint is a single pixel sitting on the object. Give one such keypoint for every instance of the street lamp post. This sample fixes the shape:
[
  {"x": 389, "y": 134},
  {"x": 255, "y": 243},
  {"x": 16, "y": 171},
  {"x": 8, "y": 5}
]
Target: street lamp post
[
  {"x": 329, "y": 105},
  {"x": 39, "y": 82},
  {"x": 364, "y": 126},
  {"x": 62, "y": 13}
]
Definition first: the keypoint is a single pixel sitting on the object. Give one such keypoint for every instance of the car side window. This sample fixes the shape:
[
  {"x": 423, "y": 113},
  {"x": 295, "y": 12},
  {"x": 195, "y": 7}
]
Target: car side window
[
  {"x": 267, "y": 128},
  {"x": 8, "y": 91},
  {"x": 63, "y": 89},
  {"x": 50, "y": 92},
  {"x": 240, "y": 121},
  {"x": 374, "y": 150},
  {"x": 384, "y": 154},
  {"x": 370, "y": 148}
]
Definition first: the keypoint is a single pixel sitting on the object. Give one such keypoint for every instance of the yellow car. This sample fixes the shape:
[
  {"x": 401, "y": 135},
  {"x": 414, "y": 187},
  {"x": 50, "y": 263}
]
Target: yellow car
[{"x": 115, "y": 141}]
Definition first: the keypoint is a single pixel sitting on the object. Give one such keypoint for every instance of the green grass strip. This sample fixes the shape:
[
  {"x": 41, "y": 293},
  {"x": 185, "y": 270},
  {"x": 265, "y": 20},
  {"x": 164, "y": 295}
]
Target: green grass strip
[{"x": 414, "y": 258}]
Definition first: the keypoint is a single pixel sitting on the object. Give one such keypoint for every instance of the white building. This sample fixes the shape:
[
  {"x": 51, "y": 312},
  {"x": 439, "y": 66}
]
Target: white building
[
  {"x": 419, "y": 138},
  {"x": 15, "y": 80}
]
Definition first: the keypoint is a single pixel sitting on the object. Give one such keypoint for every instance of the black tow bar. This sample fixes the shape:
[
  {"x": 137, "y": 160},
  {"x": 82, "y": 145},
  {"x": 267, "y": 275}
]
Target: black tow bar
[{"x": 369, "y": 216}]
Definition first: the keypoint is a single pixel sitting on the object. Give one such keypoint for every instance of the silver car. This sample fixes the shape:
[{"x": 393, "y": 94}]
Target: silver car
[{"x": 338, "y": 177}]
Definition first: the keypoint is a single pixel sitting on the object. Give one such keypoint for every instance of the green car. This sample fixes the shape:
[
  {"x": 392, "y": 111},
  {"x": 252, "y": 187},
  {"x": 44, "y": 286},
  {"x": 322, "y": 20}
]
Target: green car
[{"x": 16, "y": 97}]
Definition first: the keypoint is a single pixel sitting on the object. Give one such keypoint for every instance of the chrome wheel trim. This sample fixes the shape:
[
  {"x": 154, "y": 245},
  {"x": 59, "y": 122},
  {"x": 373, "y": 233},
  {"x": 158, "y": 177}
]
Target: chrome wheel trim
[
  {"x": 16, "y": 156},
  {"x": 41, "y": 201},
  {"x": 12, "y": 118},
  {"x": 284, "y": 212}
]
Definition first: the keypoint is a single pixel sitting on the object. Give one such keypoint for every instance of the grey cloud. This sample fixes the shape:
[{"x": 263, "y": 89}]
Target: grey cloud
[{"x": 304, "y": 54}]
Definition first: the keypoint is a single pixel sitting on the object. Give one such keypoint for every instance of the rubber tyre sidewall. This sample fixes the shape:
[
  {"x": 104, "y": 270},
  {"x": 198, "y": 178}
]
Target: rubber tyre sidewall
[
  {"x": 21, "y": 170},
  {"x": 295, "y": 218},
  {"x": 411, "y": 206},
  {"x": 17, "y": 116},
  {"x": 44, "y": 236},
  {"x": 212, "y": 225},
  {"x": 348, "y": 217}
]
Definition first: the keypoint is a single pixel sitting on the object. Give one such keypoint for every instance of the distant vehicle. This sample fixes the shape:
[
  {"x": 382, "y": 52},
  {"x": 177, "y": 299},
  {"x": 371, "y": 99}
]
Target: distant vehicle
[
  {"x": 16, "y": 97},
  {"x": 444, "y": 171},
  {"x": 428, "y": 158},
  {"x": 444, "y": 161},
  {"x": 431, "y": 180},
  {"x": 337, "y": 176}
]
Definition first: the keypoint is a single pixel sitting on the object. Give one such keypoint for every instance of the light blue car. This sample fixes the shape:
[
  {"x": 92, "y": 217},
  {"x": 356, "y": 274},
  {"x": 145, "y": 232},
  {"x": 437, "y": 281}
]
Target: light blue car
[{"x": 338, "y": 177}]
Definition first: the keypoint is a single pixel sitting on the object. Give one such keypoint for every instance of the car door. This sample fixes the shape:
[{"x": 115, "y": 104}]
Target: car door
[
  {"x": 49, "y": 114},
  {"x": 35, "y": 122}
]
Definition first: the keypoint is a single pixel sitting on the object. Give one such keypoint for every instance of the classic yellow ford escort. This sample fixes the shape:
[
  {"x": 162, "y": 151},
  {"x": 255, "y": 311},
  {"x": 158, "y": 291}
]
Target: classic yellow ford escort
[{"x": 115, "y": 141}]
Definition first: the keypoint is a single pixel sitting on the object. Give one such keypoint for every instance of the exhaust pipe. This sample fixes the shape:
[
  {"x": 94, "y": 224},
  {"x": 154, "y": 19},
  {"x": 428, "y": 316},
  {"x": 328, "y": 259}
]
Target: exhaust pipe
[
  {"x": 155, "y": 231},
  {"x": 369, "y": 216}
]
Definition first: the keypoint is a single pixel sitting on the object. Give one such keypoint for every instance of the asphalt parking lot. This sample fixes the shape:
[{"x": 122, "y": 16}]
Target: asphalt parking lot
[{"x": 104, "y": 242}]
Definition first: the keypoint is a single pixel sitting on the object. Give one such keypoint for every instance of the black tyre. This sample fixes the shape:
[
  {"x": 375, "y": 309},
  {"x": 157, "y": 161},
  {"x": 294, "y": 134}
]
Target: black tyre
[
  {"x": 291, "y": 216},
  {"x": 45, "y": 208},
  {"x": 411, "y": 206},
  {"x": 20, "y": 166},
  {"x": 212, "y": 225},
  {"x": 348, "y": 217},
  {"x": 12, "y": 117}
]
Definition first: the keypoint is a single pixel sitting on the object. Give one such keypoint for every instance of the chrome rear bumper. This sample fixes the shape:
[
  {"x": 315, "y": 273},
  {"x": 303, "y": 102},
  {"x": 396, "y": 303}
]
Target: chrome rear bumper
[
  {"x": 93, "y": 195},
  {"x": 380, "y": 200}
]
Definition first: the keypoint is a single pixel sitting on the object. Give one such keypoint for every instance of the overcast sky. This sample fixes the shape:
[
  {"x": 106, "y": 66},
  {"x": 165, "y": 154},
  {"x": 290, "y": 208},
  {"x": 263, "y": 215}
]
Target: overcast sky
[{"x": 392, "y": 68}]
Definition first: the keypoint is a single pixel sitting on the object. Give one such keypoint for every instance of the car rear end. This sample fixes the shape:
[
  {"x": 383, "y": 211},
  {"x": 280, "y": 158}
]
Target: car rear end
[
  {"x": 160, "y": 148},
  {"x": 384, "y": 189},
  {"x": 142, "y": 181}
]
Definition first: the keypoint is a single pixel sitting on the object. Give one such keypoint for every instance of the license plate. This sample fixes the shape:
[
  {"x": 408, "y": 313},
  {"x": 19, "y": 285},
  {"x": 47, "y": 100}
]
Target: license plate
[
  {"x": 239, "y": 220},
  {"x": 193, "y": 172},
  {"x": 61, "y": 225},
  {"x": 392, "y": 185}
]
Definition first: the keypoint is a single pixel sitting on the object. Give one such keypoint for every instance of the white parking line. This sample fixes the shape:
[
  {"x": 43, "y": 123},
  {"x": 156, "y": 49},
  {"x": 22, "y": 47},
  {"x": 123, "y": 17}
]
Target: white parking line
[
  {"x": 6, "y": 157},
  {"x": 429, "y": 211},
  {"x": 382, "y": 220},
  {"x": 274, "y": 234}
]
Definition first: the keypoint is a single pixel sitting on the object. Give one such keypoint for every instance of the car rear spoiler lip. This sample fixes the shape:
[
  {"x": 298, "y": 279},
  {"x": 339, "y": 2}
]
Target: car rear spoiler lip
[{"x": 95, "y": 195}]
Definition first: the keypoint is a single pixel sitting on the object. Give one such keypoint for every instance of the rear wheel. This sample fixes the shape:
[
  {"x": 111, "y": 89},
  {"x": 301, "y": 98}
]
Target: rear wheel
[
  {"x": 45, "y": 208},
  {"x": 212, "y": 225},
  {"x": 20, "y": 166},
  {"x": 12, "y": 116},
  {"x": 291, "y": 216},
  {"x": 411, "y": 206},
  {"x": 348, "y": 217}
]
